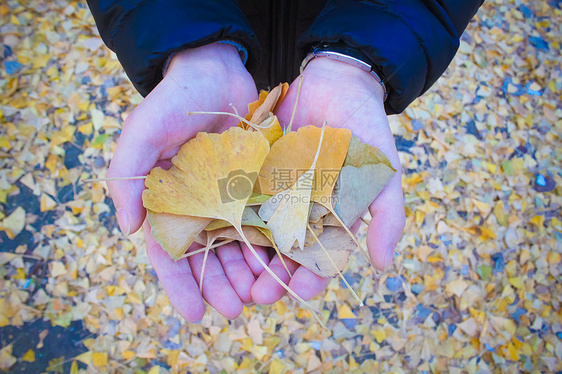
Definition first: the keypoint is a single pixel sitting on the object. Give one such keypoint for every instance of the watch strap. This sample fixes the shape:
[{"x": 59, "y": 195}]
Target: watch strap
[{"x": 342, "y": 52}]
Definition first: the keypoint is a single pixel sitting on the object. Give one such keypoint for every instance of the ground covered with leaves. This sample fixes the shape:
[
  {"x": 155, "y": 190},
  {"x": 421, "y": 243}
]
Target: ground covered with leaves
[{"x": 476, "y": 287}]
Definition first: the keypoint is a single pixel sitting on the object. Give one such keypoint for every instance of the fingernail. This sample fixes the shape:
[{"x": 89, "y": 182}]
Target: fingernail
[
  {"x": 249, "y": 305},
  {"x": 124, "y": 223},
  {"x": 388, "y": 257},
  {"x": 198, "y": 322}
]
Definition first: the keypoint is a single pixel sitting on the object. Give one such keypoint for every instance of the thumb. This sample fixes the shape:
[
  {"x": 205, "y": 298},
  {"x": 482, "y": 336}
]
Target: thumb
[
  {"x": 387, "y": 224},
  {"x": 137, "y": 151}
]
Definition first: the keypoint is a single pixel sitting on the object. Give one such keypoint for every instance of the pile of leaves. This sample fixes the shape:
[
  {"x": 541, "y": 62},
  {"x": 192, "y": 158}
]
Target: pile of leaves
[{"x": 225, "y": 187}]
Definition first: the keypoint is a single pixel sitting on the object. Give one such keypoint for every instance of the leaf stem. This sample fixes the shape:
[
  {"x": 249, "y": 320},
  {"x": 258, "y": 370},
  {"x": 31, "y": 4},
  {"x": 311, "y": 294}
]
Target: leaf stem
[
  {"x": 207, "y": 249},
  {"x": 240, "y": 118},
  {"x": 268, "y": 269},
  {"x": 295, "y": 107}
]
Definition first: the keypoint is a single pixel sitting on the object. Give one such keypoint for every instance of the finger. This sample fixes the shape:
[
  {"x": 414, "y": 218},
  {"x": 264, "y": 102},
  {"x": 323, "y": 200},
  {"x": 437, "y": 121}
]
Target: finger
[
  {"x": 217, "y": 289},
  {"x": 387, "y": 224},
  {"x": 266, "y": 290},
  {"x": 252, "y": 261},
  {"x": 306, "y": 284},
  {"x": 237, "y": 270},
  {"x": 177, "y": 280}
]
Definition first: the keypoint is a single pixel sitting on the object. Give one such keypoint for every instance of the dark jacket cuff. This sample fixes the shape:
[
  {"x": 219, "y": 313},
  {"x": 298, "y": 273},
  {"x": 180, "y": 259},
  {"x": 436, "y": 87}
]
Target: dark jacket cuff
[
  {"x": 411, "y": 41},
  {"x": 144, "y": 34}
]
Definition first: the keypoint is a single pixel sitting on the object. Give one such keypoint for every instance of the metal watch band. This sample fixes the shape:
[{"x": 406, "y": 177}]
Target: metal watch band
[{"x": 345, "y": 54}]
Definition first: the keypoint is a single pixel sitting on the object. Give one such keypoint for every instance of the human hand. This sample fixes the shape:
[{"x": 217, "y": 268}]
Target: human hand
[
  {"x": 344, "y": 96},
  {"x": 209, "y": 78}
]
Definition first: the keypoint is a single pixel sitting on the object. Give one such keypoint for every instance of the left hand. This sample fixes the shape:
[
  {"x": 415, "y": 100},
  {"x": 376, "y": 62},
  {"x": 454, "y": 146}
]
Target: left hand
[{"x": 344, "y": 96}]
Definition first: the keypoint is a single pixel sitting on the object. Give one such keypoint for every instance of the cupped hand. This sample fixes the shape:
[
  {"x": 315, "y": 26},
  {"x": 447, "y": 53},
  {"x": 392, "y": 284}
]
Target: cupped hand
[
  {"x": 344, "y": 96},
  {"x": 208, "y": 78}
]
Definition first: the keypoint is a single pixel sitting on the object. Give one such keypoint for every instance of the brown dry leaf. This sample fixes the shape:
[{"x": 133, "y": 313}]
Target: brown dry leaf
[
  {"x": 317, "y": 228},
  {"x": 337, "y": 243},
  {"x": 209, "y": 177},
  {"x": 286, "y": 213},
  {"x": 254, "y": 235},
  {"x": 365, "y": 173},
  {"x": 249, "y": 218},
  {"x": 175, "y": 233},
  {"x": 331, "y": 220},
  {"x": 317, "y": 212}
]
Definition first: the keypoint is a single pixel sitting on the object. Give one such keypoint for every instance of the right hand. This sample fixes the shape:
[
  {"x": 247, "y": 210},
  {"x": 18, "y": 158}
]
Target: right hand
[{"x": 208, "y": 78}]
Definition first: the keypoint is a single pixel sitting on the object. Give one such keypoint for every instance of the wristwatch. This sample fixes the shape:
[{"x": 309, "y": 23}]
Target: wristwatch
[{"x": 342, "y": 52}]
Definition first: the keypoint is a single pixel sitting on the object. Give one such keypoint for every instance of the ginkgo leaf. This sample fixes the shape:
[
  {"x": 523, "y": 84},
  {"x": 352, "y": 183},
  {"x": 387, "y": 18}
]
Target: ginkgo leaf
[
  {"x": 360, "y": 154},
  {"x": 254, "y": 235},
  {"x": 261, "y": 107},
  {"x": 365, "y": 173},
  {"x": 286, "y": 213},
  {"x": 284, "y": 90},
  {"x": 262, "y": 111},
  {"x": 260, "y": 114},
  {"x": 337, "y": 243},
  {"x": 270, "y": 129},
  {"x": 252, "y": 107},
  {"x": 334, "y": 264},
  {"x": 293, "y": 154},
  {"x": 317, "y": 228},
  {"x": 330, "y": 220},
  {"x": 249, "y": 218},
  {"x": 358, "y": 188},
  {"x": 212, "y": 176},
  {"x": 289, "y": 155},
  {"x": 175, "y": 233}
]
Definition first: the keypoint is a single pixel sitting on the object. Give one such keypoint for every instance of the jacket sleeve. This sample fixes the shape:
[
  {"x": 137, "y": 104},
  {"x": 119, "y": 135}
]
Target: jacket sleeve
[
  {"x": 411, "y": 41},
  {"x": 144, "y": 33}
]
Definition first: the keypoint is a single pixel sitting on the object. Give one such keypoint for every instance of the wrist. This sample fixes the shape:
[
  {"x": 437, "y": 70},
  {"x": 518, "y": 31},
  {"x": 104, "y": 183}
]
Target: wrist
[
  {"x": 346, "y": 73},
  {"x": 216, "y": 57}
]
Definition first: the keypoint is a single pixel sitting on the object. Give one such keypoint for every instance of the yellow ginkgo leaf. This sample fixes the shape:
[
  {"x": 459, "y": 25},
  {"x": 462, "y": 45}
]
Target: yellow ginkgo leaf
[
  {"x": 286, "y": 213},
  {"x": 293, "y": 154},
  {"x": 175, "y": 233},
  {"x": 263, "y": 111},
  {"x": 212, "y": 176},
  {"x": 270, "y": 129}
]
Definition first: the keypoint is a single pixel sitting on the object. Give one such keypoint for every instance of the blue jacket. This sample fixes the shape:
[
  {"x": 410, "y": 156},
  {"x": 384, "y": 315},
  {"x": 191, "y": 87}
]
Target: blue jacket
[{"x": 411, "y": 41}]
